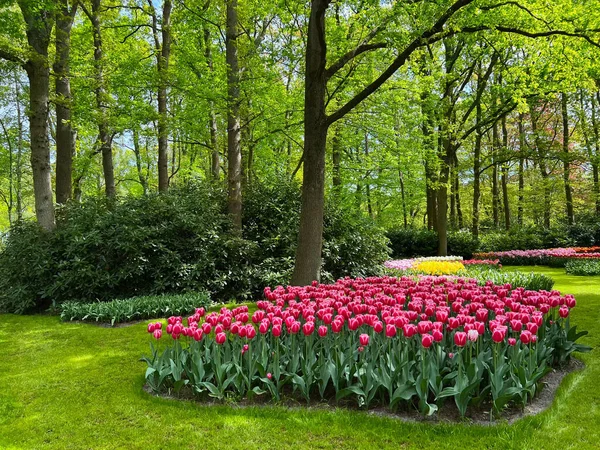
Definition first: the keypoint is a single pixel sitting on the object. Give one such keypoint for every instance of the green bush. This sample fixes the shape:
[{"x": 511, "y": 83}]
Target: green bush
[
  {"x": 176, "y": 242},
  {"x": 137, "y": 308},
  {"x": 585, "y": 267},
  {"x": 411, "y": 242}
]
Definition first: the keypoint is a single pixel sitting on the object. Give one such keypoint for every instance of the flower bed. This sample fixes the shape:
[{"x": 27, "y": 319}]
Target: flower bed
[
  {"x": 556, "y": 257},
  {"x": 433, "y": 265},
  {"x": 487, "y": 263},
  {"x": 386, "y": 341}
]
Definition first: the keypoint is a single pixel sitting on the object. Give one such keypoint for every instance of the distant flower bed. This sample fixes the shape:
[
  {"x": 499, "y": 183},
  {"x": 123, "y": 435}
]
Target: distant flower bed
[
  {"x": 489, "y": 263},
  {"x": 433, "y": 265},
  {"x": 390, "y": 341},
  {"x": 556, "y": 257}
]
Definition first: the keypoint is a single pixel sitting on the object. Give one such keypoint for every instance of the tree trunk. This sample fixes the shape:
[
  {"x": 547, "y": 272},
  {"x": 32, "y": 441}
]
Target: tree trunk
[
  {"x": 504, "y": 178},
  {"x": 215, "y": 159},
  {"x": 138, "y": 161},
  {"x": 39, "y": 23},
  {"x": 459, "y": 213},
  {"x": 442, "y": 204},
  {"x": 310, "y": 237},
  {"x": 403, "y": 196},
  {"x": 495, "y": 190},
  {"x": 542, "y": 166},
  {"x": 521, "y": 170},
  {"x": 566, "y": 160},
  {"x": 476, "y": 173},
  {"x": 234, "y": 150},
  {"x": 596, "y": 156},
  {"x": 368, "y": 179},
  {"x": 336, "y": 157},
  {"x": 65, "y": 135},
  {"x": 104, "y": 142},
  {"x": 163, "y": 53},
  {"x": 19, "y": 156}
]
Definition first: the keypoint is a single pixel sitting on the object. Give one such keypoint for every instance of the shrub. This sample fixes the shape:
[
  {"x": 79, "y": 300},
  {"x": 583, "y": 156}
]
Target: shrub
[
  {"x": 137, "y": 308},
  {"x": 585, "y": 267},
  {"x": 410, "y": 242},
  {"x": 179, "y": 241}
]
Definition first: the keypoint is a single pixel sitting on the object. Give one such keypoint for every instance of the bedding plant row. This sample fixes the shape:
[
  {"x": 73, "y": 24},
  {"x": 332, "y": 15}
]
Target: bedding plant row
[
  {"x": 554, "y": 257},
  {"x": 395, "y": 342}
]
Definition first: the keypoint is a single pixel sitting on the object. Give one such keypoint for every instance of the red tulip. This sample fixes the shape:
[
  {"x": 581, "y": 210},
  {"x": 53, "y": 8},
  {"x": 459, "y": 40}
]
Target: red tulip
[
  {"x": 206, "y": 328},
  {"x": 220, "y": 338},
  {"x": 532, "y": 327},
  {"x": 460, "y": 338},
  {"x": 157, "y": 334},
  {"x": 263, "y": 328},
  {"x": 250, "y": 332},
  {"x": 426, "y": 340},
  {"x": 498, "y": 335},
  {"x": 308, "y": 328},
  {"x": 525, "y": 336},
  {"x": 169, "y": 329},
  {"x": 276, "y": 330},
  {"x": 390, "y": 330},
  {"x": 177, "y": 328},
  {"x": 197, "y": 335},
  {"x": 323, "y": 331},
  {"x": 364, "y": 339},
  {"x": 377, "y": 327},
  {"x": 438, "y": 336},
  {"x": 512, "y": 342},
  {"x": 295, "y": 328},
  {"x": 336, "y": 326},
  {"x": 150, "y": 328},
  {"x": 563, "y": 311}
]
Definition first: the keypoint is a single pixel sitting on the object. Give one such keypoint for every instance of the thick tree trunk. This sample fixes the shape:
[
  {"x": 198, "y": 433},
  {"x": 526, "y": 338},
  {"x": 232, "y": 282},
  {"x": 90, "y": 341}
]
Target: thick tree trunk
[
  {"x": 234, "y": 150},
  {"x": 566, "y": 160},
  {"x": 215, "y": 159},
  {"x": 521, "y": 170},
  {"x": 39, "y": 23},
  {"x": 163, "y": 57},
  {"x": 65, "y": 135},
  {"x": 310, "y": 237}
]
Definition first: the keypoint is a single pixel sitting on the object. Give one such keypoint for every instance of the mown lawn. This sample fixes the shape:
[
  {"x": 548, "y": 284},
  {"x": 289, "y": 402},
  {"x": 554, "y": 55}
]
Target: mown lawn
[{"x": 65, "y": 385}]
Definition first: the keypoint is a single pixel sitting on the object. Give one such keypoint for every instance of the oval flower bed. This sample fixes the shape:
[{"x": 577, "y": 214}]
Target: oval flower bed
[
  {"x": 378, "y": 341},
  {"x": 555, "y": 257}
]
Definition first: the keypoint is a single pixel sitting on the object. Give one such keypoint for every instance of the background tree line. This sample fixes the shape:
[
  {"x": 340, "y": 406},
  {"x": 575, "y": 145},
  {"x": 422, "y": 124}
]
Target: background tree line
[{"x": 474, "y": 115}]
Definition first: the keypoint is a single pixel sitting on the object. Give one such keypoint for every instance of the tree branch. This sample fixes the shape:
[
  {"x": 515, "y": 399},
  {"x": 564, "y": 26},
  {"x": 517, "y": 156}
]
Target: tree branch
[
  {"x": 425, "y": 38},
  {"x": 345, "y": 59}
]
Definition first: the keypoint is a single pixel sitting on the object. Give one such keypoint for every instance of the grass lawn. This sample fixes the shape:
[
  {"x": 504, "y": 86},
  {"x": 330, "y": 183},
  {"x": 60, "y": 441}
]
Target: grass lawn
[{"x": 65, "y": 385}]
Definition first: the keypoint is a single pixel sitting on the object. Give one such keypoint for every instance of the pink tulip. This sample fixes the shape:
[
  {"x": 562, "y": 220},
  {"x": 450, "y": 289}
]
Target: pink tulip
[
  {"x": 426, "y": 340},
  {"x": 322, "y": 331},
  {"x": 460, "y": 338},
  {"x": 157, "y": 334},
  {"x": 364, "y": 339},
  {"x": 220, "y": 338}
]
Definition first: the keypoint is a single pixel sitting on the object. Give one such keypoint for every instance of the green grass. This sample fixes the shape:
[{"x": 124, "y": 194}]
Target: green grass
[{"x": 67, "y": 385}]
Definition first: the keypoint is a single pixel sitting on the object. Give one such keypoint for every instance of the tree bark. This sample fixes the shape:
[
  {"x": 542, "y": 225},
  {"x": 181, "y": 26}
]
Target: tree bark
[
  {"x": 39, "y": 23},
  {"x": 138, "y": 161},
  {"x": 596, "y": 157},
  {"x": 163, "y": 54},
  {"x": 310, "y": 236},
  {"x": 504, "y": 177},
  {"x": 65, "y": 135},
  {"x": 215, "y": 158},
  {"x": 521, "y": 170},
  {"x": 542, "y": 165},
  {"x": 19, "y": 156},
  {"x": 566, "y": 160},
  {"x": 234, "y": 150},
  {"x": 495, "y": 190},
  {"x": 476, "y": 173},
  {"x": 336, "y": 159},
  {"x": 104, "y": 141}
]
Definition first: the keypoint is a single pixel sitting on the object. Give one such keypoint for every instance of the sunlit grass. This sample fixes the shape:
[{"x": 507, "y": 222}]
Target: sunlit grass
[{"x": 67, "y": 385}]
